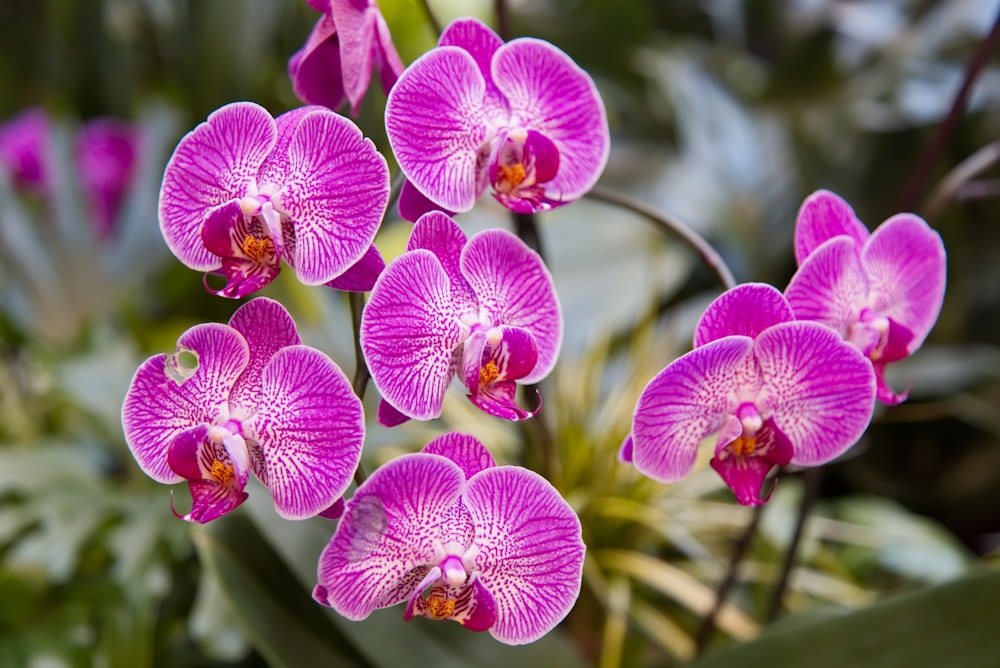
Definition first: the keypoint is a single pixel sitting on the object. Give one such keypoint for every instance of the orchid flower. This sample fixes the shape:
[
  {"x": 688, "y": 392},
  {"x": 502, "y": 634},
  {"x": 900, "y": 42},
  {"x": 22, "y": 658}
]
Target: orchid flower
[
  {"x": 24, "y": 141},
  {"x": 336, "y": 61},
  {"x": 243, "y": 191},
  {"x": 455, "y": 536},
  {"x": 107, "y": 151},
  {"x": 881, "y": 291},
  {"x": 245, "y": 397},
  {"x": 519, "y": 117},
  {"x": 483, "y": 307},
  {"x": 771, "y": 389}
]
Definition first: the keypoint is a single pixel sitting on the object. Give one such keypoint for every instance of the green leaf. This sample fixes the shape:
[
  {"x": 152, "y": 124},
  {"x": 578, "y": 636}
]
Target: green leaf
[
  {"x": 279, "y": 618},
  {"x": 952, "y": 624}
]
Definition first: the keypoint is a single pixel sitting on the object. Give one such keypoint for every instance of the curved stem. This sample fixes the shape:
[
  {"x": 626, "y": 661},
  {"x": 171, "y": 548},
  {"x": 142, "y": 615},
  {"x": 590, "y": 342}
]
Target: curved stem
[
  {"x": 921, "y": 173},
  {"x": 955, "y": 182},
  {"x": 361, "y": 375},
  {"x": 674, "y": 227},
  {"x": 740, "y": 550},
  {"x": 503, "y": 19},
  {"x": 394, "y": 191},
  {"x": 810, "y": 479}
]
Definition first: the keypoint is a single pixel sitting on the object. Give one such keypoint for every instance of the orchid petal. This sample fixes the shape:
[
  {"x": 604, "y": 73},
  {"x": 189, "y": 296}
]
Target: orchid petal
[
  {"x": 315, "y": 69},
  {"x": 436, "y": 124},
  {"x": 464, "y": 449},
  {"x": 530, "y": 550},
  {"x": 387, "y": 60},
  {"x": 387, "y": 535},
  {"x": 905, "y": 264},
  {"x": 515, "y": 288},
  {"x": 746, "y": 310},
  {"x": 745, "y": 474},
  {"x": 217, "y": 472},
  {"x": 170, "y": 394},
  {"x": 310, "y": 427},
  {"x": 409, "y": 331},
  {"x": 267, "y": 328},
  {"x": 275, "y": 170},
  {"x": 549, "y": 93},
  {"x": 388, "y": 416},
  {"x": 685, "y": 403},
  {"x": 212, "y": 164},
  {"x": 337, "y": 192},
  {"x": 830, "y": 287},
  {"x": 413, "y": 204},
  {"x": 625, "y": 450},
  {"x": 476, "y": 38},
  {"x": 821, "y": 389},
  {"x": 356, "y": 28},
  {"x": 498, "y": 400},
  {"x": 438, "y": 233},
  {"x": 823, "y": 216},
  {"x": 362, "y": 275}
]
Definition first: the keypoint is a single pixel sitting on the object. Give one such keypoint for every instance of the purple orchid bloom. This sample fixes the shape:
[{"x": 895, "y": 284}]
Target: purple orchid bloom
[
  {"x": 336, "y": 61},
  {"x": 881, "y": 291},
  {"x": 106, "y": 152},
  {"x": 456, "y": 537},
  {"x": 775, "y": 391},
  {"x": 245, "y": 397},
  {"x": 24, "y": 149},
  {"x": 244, "y": 190},
  {"x": 520, "y": 117},
  {"x": 483, "y": 307}
]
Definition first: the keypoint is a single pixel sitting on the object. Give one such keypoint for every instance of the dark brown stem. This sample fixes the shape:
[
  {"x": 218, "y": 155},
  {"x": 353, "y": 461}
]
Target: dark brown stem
[
  {"x": 810, "y": 480},
  {"x": 503, "y": 19},
  {"x": 674, "y": 227},
  {"x": 740, "y": 549},
  {"x": 922, "y": 172}
]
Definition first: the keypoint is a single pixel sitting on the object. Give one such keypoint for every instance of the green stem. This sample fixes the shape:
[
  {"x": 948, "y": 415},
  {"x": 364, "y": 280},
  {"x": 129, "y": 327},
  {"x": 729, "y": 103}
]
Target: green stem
[
  {"x": 673, "y": 227},
  {"x": 361, "y": 375}
]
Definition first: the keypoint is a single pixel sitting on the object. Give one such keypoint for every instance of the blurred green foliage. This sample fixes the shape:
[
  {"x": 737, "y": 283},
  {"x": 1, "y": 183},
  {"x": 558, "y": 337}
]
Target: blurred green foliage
[{"x": 724, "y": 114}]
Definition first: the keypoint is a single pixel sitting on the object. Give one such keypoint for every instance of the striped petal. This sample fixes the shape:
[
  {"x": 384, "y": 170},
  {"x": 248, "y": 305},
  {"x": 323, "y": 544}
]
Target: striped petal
[
  {"x": 746, "y": 310},
  {"x": 362, "y": 275},
  {"x": 437, "y": 127},
  {"x": 267, "y": 328},
  {"x": 830, "y": 287},
  {"x": 315, "y": 69},
  {"x": 905, "y": 263},
  {"x": 310, "y": 429},
  {"x": 214, "y": 163},
  {"x": 549, "y": 93},
  {"x": 529, "y": 550},
  {"x": 409, "y": 332},
  {"x": 336, "y": 194},
  {"x": 216, "y": 465},
  {"x": 685, "y": 403},
  {"x": 465, "y": 450},
  {"x": 388, "y": 535},
  {"x": 441, "y": 235},
  {"x": 821, "y": 389},
  {"x": 823, "y": 216},
  {"x": 514, "y": 288},
  {"x": 170, "y": 394}
]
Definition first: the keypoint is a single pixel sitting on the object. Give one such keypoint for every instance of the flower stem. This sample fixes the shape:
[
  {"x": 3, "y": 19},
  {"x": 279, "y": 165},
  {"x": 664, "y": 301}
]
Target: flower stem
[
  {"x": 537, "y": 431},
  {"x": 361, "y": 375},
  {"x": 394, "y": 191},
  {"x": 678, "y": 229},
  {"x": 503, "y": 19},
  {"x": 930, "y": 156},
  {"x": 740, "y": 550},
  {"x": 810, "y": 479}
]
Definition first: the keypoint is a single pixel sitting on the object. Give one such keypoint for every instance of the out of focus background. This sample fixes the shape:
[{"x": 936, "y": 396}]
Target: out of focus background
[{"x": 724, "y": 114}]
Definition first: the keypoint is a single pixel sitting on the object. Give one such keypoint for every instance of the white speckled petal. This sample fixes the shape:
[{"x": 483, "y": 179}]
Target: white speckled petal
[
  {"x": 310, "y": 428},
  {"x": 821, "y": 389},
  {"x": 267, "y": 327},
  {"x": 336, "y": 193},
  {"x": 387, "y": 535},
  {"x": 530, "y": 550},
  {"x": 435, "y": 120},
  {"x": 409, "y": 332},
  {"x": 514, "y": 287},
  {"x": 170, "y": 394},
  {"x": 214, "y": 163},
  {"x": 549, "y": 93},
  {"x": 685, "y": 403}
]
